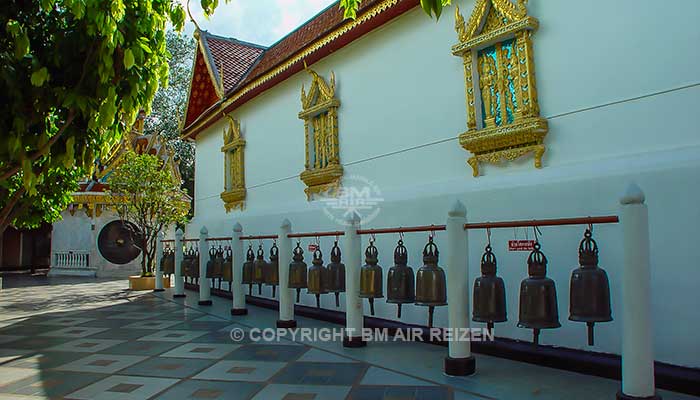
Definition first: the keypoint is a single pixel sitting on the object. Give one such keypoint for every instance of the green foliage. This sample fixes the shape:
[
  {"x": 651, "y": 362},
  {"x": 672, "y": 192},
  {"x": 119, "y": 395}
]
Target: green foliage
[
  {"x": 350, "y": 7},
  {"x": 148, "y": 196},
  {"x": 169, "y": 103},
  {"x": 73, "y": 76},
  {"x": 434, "y": 6}
]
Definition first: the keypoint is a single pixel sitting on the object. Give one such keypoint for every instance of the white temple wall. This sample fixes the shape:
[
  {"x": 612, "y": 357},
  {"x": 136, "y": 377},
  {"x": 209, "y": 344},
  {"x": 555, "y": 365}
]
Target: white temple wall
[
  {"x": 403, "y": 104},
  {"x": 73, "y": 233}
]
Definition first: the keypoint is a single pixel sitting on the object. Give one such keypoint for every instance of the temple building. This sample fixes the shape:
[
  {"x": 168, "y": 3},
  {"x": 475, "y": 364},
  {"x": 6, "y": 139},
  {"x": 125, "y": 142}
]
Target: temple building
[
  {"x": 520, "y": 110},
  {"x": 89, "y": 240}
]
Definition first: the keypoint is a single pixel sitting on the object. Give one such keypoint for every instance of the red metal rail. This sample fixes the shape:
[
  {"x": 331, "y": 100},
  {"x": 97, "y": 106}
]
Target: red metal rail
[
  {"x": 608, "y": 219},
  {"x": 316, "y": 234},
  {"x": 260, "y": 237},
  {"x": 423, "y": 228},
  {"x": 213, "y": 239}
]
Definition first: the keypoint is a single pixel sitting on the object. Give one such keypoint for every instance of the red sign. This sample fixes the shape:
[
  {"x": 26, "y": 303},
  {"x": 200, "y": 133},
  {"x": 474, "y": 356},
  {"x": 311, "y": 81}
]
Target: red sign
[
  {"x": 521, "y": 245},
  {"x": 312, "y": 247}
]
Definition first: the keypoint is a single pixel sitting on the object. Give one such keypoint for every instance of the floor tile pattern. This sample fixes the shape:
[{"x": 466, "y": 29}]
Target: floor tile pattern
[{"x": 92, "y": 339}]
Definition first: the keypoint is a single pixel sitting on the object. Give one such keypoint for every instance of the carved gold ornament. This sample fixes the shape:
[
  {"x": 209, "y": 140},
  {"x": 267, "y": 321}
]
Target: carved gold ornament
[
  {"x": 234, "y": 174},
  {"x": 503, "y": 114},
  {"x": 323, "y": 172}
]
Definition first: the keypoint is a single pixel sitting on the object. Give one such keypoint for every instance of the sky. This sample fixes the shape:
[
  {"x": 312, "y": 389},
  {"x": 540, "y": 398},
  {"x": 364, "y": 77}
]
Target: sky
[{"x": 258, "y": 21}]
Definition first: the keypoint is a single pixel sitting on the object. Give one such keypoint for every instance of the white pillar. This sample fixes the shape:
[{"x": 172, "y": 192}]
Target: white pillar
[
  {"x": 637, "y": 352},
  {"x": 238, "y": 295},
  {"x": 460, "y": 360},
  {"x": 204, "y": 283},
  {"x": 179, "y": 282},
  {"x": 286, "y": 294},
  {"x": 354, "y": 313},
  {"x": 159, "y": 257}
]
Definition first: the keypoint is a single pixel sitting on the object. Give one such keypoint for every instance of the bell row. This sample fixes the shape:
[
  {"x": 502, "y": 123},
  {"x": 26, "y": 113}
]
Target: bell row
[{"x": 589, "y": 285}]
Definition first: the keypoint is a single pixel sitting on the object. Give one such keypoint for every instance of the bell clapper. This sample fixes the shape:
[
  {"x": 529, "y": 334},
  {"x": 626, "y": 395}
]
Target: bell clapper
[
  {"x": 590, "y": 332},
  {"x": 398, "y": 311},
  {"x": 337, "y": 299},
  {"x": 431, "y": 311},
  {"x": 371, "y": 305},
  {"x": 318, "y": 301},
  {"x": 489, "y": 326},
  {"x": 298, "y": 294},
  {"x": 536, "y": 336},
  {"x": 273, "y": 291}
]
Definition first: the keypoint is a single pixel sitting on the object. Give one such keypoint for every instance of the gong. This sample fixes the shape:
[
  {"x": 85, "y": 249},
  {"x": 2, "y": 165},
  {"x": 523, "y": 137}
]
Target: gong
[{"x": 117, "y": 242}]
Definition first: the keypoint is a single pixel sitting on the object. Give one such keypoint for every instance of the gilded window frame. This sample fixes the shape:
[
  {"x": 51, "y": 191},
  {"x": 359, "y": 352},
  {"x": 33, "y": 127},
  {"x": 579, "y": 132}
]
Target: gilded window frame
[
  {"x": 320, "y": 110},
  {"x": 526, "y": 133},
  {"x": 234, "y": 193}
]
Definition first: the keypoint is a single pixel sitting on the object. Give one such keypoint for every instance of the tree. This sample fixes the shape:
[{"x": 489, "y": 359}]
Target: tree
[
  {"x": 73, "y": 76},
  {"x": 169, "y": 102},
  {"x": 147, "y": 195}
]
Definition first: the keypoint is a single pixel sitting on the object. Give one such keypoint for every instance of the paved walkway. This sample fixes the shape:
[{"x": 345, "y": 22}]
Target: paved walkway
[{"x": 88, "y": 339}]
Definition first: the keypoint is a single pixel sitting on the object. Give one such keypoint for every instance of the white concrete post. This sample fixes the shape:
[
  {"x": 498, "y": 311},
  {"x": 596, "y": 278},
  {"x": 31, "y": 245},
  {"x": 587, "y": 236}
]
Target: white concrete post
[
  {"x": 459, "y": 360},
  {"x": 237, "y": 292},
  {"x": 179, "y": 282},
  {"x": 637, "y": 352},
  {"x": 159, "y": 257},
  {"x": 204, "y": 283},
  {"x": 354, "y": 314},
  {"x": 286, "y": 294}
]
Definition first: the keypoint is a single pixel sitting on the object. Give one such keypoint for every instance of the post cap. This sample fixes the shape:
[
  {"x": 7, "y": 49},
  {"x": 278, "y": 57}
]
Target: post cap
[
  {"x": 203, "y": 231},
  {"x": 354, "y": 218},
  {"x": 458, "y": 209},
  {"x": 179, "y": 232},
  {"x": 633, "y": 195},
  {"x": 286, "y": 224},
  {"x": 237, "y": 227}
]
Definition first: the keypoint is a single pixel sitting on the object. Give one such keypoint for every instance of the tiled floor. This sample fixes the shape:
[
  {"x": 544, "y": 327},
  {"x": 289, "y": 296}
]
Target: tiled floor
[{"x": 88, "y": 339}]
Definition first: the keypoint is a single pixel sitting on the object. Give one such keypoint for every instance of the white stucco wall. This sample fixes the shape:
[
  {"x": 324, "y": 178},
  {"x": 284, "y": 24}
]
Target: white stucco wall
[
  {"x": 75, "y": 233},
  {"x": 618, "y": 82}
]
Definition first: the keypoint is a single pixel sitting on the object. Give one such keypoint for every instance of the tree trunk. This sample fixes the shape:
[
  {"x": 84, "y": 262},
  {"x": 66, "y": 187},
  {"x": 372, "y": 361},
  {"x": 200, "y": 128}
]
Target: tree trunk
[{"x": 144, "y": 256}]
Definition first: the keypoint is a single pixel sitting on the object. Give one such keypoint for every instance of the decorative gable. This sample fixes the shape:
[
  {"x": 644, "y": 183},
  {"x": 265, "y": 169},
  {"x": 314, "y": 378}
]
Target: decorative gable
[{"x": 203, "y": 94}]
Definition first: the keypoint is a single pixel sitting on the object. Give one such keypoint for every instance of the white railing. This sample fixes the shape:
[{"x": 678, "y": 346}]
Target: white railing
[{"x": 72, "y": 259}]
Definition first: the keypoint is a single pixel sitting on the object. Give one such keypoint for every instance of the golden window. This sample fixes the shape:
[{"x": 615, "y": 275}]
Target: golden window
[
  {"x": 503, "y": 115},
  {"x": 234, "y": 167},
  {"x": 322, "y": 172}
]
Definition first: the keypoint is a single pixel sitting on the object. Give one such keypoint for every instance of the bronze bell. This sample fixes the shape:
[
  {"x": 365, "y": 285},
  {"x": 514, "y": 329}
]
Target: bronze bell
[
  {"x": 336, "y": 274},
  {"x": 219, "y": 265},
  {"x": 317, "y": 277},
  {"x": 538, "y": 296},
  {"x": 211, "y": 273},
  {"x": 371, "y": 276},
  {"x": 248, "y": 269},
  {"x": 271, "y": 271},
  {"x": 430, "y": 281},
  {"x": 227, "y": 267},
  {"x": 297, "y": 270},
  {"x": 590, "y": 288},
  {"x": 400, "y": 282},
  {"x": 259, "y": 269},
  {"x": 184, "y": 264},
  {"x": 167, "y": 265},
  {"x": 489, "y": 292}
]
